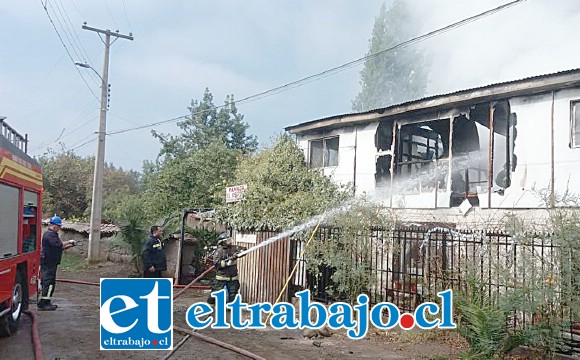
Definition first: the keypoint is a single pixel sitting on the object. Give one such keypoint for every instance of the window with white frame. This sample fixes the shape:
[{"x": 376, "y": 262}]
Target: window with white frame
[
  {"x": 324, "y": 152},
  {"x": 575, "y": 123}
]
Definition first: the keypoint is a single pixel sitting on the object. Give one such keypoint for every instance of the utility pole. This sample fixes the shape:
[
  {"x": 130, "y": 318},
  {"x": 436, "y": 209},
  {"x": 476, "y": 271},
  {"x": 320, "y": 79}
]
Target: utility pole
[{"x": 97, "y": 200}]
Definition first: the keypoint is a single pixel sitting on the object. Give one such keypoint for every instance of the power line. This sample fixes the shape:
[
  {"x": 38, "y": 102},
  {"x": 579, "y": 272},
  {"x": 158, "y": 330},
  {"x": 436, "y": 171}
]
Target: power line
[
  {"x": 77, "y": 9},
  {"x": 71, "y": 35},
  {"x": 124, "y": 119},
  {"x": 65, "y": 30},
  {"x": 82, "y": 125},
  {"x": 126, "y": 16},
  {"x": 80, "y": 117},
  {"x": 110, "y": 13},
  {"x": 67, "y": 51},
  {"x": 76, "y": 34},
  {"x": 83, "y": 144},
  {"x": 337, "y": 69},
  {"x": 37, "y": 87}
]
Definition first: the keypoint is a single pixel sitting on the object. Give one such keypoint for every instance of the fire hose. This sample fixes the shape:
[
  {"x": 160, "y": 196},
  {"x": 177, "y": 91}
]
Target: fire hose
[
  {"x": 35, "y": 337},
  {"x": 219, "y": 343},
  {"x": 196, "y": 287},
  {"x": 205, "y": 337}
]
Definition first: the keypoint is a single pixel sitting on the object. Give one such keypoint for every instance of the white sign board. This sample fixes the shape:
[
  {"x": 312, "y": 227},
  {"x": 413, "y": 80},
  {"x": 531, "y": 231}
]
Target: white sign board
[
  {"x": 235, "y": 193},
  {"x": 245, "y": 238}
]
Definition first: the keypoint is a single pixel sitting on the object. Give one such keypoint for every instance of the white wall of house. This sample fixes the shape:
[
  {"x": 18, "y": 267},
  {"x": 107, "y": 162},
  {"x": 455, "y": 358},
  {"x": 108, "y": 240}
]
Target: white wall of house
[
  {"x": 532, "y": 148},
  {"x": 355, "y": 142},
  {"x": 533, "y": 145},
  {"x": 567, "y": 159}
]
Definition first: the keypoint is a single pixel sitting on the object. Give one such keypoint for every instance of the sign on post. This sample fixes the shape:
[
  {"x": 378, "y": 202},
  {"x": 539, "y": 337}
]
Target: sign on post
[{"x": 235, "y": 193}]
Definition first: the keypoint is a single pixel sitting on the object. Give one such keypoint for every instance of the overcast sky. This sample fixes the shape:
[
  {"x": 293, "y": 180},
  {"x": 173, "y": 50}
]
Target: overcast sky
[{"x": 243, "y": 47}]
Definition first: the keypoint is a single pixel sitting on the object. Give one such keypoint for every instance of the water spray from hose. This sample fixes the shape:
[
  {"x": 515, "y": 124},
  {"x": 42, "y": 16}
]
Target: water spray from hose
[
  {"x": 310, "y": 223},
  {"x": 377, "y": 196}
]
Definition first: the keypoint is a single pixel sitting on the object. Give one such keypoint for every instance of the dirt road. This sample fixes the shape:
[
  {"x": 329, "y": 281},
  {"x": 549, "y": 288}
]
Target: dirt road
[{"x": 72, "y": 332}]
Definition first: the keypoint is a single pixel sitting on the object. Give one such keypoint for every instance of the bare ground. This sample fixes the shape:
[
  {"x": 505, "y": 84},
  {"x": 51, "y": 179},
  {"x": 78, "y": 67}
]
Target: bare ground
[{"x": 72, "y": 332}]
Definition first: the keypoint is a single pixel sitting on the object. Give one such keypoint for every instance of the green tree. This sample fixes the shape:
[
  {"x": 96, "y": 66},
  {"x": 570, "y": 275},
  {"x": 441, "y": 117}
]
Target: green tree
[
  {"x": 207, "y": 125},
  {"x": 119, "y": 186},
  {"x": 196, "y": 180},
  {"x": 66, "y": 182},
  {"x": 68, "y": 185},
  {"x": 397, "y": 76},
  {"x": 282, "y": 190}
]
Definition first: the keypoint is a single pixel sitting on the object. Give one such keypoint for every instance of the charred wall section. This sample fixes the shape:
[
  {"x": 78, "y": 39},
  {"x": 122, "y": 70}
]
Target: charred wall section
[{"x": 421, "y": 153}]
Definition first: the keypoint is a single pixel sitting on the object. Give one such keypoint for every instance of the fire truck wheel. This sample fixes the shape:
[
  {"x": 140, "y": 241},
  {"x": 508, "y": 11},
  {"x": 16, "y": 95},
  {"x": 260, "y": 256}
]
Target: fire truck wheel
[{"x": 9, "y": 322}]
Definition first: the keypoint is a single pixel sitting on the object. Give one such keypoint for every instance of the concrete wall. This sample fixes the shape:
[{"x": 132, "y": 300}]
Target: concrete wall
[{"x": 108, "y": 252}]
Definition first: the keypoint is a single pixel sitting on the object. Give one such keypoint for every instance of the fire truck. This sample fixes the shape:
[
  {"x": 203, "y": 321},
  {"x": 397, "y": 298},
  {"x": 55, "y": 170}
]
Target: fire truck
[{"x": 20, "y": 227}]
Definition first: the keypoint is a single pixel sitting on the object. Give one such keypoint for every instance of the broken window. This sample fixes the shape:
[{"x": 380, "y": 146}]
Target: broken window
[
  {"x": 384, "y": 136},
  {"x": 575, "y": 122},
  {"x": 419, "y": 147},
  {"x": 422, "y": 153},
  {"x": 383, "y": 143},
  {"x": 501, "y": 146},
  {"x": 324, "y": 152},
  {"x": 469, "y": 169},
  {"x": 471, "y": 155},
  {"x": 383, "y": 171}
]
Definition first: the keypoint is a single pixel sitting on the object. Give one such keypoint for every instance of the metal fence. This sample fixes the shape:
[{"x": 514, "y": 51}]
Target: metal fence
[{"x": 408, "y": 266}]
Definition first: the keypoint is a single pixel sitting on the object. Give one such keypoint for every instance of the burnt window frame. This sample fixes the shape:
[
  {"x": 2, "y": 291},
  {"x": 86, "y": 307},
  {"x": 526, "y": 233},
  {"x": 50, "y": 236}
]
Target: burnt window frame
[
  {"x": 324, "y": 141},
  {"x": 400, "y": 153},
  {"x": 574, "y": 143}
]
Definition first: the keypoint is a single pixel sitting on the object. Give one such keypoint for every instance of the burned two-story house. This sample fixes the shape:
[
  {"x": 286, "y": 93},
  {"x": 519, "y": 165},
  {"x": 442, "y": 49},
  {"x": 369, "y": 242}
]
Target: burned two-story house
[{"x": 511, "y": 145}]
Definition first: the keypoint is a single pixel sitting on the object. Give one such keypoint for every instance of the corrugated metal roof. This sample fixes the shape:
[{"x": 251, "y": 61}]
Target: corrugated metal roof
[{"x": 442, "y": 96}]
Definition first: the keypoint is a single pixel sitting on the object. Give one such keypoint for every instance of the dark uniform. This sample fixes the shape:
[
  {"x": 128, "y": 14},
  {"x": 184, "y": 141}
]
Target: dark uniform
[
  {"x": 153, "y": 255},
  {"x": 50, "y": 256},
  {"x": 226, "y": 272}
]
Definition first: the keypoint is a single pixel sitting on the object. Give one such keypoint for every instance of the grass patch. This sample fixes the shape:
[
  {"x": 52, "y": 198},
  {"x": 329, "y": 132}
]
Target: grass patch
[{"x": 73, "y": 262}]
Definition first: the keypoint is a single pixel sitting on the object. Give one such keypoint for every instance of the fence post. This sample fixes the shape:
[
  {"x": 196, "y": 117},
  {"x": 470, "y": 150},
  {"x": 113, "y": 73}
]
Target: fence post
[{"x": 444, "y": 271}]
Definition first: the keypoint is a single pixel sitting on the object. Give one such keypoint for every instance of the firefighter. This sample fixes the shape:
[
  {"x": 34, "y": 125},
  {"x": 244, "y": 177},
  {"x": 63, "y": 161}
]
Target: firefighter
[
  {"x": 154, "y": 259},
  {"x": 50, "y": 256},
  {"x": 225, "y": 261}
]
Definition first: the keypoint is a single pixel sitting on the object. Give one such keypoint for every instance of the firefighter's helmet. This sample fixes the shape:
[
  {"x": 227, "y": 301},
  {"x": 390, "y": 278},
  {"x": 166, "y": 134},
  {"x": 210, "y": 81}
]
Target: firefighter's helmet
[
  {"x": 56, "y": 220},
  {"x": 224, "y": 238}
]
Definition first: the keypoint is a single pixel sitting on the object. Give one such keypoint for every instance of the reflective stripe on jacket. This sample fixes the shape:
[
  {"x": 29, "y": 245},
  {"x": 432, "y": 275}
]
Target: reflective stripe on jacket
[
  {"x": 220, "y": 260},
  {"x": 154, "y": 254}
]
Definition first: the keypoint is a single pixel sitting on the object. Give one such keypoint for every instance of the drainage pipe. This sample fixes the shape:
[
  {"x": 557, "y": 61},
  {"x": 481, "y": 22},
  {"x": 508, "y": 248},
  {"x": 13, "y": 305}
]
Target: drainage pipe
[
  {"x": 35, "y": 336},
  {"x": 219, "y": 343}
]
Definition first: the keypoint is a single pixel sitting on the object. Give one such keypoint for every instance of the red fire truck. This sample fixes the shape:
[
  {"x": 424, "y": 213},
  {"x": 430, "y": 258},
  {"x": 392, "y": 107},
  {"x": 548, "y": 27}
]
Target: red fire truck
[{"x": 20, "y": 227}]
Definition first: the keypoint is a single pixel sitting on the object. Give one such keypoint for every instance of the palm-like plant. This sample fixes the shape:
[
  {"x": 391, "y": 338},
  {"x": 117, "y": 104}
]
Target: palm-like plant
[
  {"x": 134, "y": 233},
  {"x": 485, "y": 327},
  {"x": 484, "y": 321}
]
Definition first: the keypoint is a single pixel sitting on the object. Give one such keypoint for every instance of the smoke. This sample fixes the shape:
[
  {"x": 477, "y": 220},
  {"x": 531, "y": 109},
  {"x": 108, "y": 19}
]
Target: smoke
[{"x": 532, "y": 38}]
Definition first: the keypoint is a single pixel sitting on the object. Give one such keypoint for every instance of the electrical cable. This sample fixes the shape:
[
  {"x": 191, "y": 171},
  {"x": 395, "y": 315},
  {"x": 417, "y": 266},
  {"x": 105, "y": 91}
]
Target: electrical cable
[
  {"x": 73, "y": 33},
  {"x": 126, "y": 16},
  {"x": 110, "y": 13},
  {"x": 334, "y": 70},
  {"x": 83, "y": 144},
  {"x": 67, "y": 50}
]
